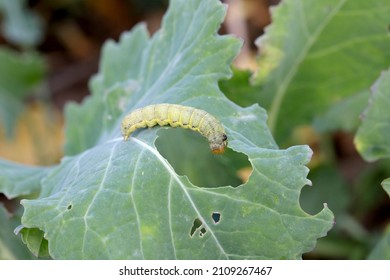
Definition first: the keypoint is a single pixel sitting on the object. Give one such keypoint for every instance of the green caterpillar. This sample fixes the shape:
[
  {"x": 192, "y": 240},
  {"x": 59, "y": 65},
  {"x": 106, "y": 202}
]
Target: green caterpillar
[{"x": 177, "y": 115}]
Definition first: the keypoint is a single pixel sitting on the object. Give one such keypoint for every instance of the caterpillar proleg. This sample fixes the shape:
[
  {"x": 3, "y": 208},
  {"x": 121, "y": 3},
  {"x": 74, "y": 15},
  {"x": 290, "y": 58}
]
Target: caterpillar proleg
[{"x": 177, "y": 116}]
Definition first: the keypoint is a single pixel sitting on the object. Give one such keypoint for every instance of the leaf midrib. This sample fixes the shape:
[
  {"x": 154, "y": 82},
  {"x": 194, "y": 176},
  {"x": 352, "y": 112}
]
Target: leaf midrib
[
  {"x": 183, "y": 187},
  {"x": 282, "y": 89}
]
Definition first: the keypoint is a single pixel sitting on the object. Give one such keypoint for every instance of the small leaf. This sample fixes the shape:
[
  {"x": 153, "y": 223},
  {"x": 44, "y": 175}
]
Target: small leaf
[{"x": 373, "y": 137}]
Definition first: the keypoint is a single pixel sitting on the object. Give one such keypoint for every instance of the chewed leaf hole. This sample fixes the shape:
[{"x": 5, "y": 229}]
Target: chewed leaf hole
[
  {"x": 216, "y": 216},
  {"x": 69, "y": 207},
  {"x": 189, "y": 154},
  {"x": 197, "y": 225}
]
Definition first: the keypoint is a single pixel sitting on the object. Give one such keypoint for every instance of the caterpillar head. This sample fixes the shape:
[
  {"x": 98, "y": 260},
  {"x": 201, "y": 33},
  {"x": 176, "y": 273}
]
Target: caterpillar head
[{"x": 218, "y": 143}]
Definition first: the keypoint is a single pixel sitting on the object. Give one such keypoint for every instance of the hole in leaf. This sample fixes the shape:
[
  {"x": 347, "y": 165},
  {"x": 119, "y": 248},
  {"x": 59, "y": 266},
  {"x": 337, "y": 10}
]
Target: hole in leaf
[
  {"x": 216, "y": 216},
  {"x": 248, "y": 93},
  {"x": 70, "y": 206},
  {"x": 202, "y": 232},
  {"x": 197, "y": 224},
  {"x": 329, "y": 187},
  {"x": 36, "y": 241},
  {"x": 189, "y": 154}
]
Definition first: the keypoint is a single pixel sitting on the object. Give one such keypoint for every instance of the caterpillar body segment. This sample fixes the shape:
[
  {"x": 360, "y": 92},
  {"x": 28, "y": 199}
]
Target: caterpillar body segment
[{"x": 177, "y": 116}]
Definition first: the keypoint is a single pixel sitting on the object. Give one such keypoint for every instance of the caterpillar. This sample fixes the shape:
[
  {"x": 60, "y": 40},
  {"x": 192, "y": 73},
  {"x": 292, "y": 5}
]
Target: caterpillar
[{"x": 177, "y": 116}]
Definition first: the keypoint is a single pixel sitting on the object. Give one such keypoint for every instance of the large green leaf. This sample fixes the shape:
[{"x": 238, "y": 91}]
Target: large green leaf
[
  {"x": 373, "y": 137},
  {"x": 111, "y": 199},
  {"x": 315, "y": 53}
]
